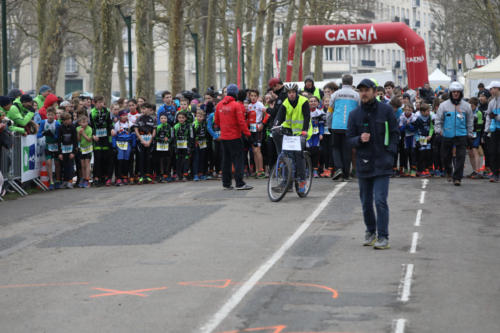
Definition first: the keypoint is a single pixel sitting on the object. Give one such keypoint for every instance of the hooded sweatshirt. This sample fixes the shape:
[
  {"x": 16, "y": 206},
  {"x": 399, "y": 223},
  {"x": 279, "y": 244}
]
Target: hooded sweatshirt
[
  {"x": 230, "y": 118},
  {"x": 49, "y": 101}
]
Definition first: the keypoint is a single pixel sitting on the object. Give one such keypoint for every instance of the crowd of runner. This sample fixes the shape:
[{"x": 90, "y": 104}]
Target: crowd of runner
[{"x": 135, "y": 142}]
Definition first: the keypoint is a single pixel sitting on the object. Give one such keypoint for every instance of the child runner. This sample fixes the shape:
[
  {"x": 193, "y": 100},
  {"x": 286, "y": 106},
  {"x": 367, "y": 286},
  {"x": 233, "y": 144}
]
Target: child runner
[
  {"x": 102, "y": 125},
  {"x": 49, "y": 128},
  {"x": 313, "y": 143},
  {"x": 407, "y": 128},
  {"x": 187, "y": 112},
  {"x": 425, "y": 130},
  {"x": 326, "y": 157},
  {"x": 68, "y": 146},
  {"x": 476, "y": 160},
  {"x": 396, "y": 105},
  {"x": 163, "y": 156},
  {"x": 256, "y": 111},
  {"x": 200, "y": 148},
  {"x": 124, "y": 141},
  {"x": 145, "y": 130},
  {"x": 183, "y": 134},
  {"x": 168, "y": 108},
  {"x": 84, "y": 133}
]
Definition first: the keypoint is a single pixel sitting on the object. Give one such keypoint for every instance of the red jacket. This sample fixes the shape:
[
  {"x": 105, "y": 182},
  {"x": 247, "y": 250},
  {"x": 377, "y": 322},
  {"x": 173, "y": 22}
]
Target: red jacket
[{"x": 230, "y": 117}]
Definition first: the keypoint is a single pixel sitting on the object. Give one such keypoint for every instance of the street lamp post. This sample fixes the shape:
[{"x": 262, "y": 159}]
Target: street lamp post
[
  {"x": 194, "y": 35},
  {"x": 128, "y": 23},
  {"x": 4, "y": 47}
]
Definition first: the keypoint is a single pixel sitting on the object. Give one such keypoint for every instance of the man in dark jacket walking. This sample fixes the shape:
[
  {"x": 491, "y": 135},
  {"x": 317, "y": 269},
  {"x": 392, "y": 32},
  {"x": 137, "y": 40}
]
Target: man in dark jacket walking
[
  {"x": 230, "y": 118},
  {"x": 372, "y": 129}
]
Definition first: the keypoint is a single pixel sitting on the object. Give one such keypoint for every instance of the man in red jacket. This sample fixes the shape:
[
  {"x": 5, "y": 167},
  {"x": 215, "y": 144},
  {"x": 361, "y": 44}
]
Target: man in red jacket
[{"x": 230, "y": 118}]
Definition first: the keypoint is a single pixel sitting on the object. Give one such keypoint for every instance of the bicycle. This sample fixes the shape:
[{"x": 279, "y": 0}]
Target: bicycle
[{"x": 281, "y": 174}]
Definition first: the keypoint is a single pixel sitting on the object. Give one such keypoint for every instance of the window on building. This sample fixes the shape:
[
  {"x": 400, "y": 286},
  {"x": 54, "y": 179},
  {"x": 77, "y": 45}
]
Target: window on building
[
  {"x": 279, "y": 54},
  {"x": 382, "y": 59},
  {"x": 339, "y": 54},
  {"x": 392, "y": 12},
  {"x": 71, "y": 65},
  {"x": 279, "y": 29},
  {"x": 329, "y": 55},
  {"x": 125, "y": 61},
  {"x": 393, "y": 57}
]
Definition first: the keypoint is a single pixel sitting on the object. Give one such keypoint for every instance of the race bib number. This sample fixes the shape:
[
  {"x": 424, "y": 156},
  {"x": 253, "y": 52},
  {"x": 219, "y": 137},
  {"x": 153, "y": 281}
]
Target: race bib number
[
  {"x": 182, "y": 144},
  {"x": 253, "y": 127},
  {"x": 67, "y": 149},
  {"x": 315, "y": 130},
  {"x": 291, "y": 143},
  {"x": 217, "y": 133},
  {"x": 423, "y": 141},
  {"x": 474, "y": 135},
  {"x": 202, "y": 144},
  {"x": 52, "y": 147},
  {"x": 86, "y": 150},
  {"x": 122, "y": 145},
  {"x": 146, "y": 137},
  {"x": 162, "y": 146},
  {"x": 101, "y": 132}
]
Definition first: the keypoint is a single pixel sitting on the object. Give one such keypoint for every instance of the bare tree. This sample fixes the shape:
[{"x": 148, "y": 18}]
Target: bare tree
[
  {"x": 107, "y": 51},
  {"x": 268, "y": 44},
  {"x": 144, "y": 12},
  {"x": 253, "y": 80},
  {"x": 209, "y": 58},
  {"x": 286, "y": 35},
  {"x": 297, "y": 54},
  {"x": 176, "y": 45}
]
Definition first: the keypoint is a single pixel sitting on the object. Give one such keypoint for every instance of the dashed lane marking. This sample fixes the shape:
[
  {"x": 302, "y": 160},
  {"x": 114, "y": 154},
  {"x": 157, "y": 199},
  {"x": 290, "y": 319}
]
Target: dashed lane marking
[
  {"x": 406, "y": 282},
  {"x": 414, "y": 241}
]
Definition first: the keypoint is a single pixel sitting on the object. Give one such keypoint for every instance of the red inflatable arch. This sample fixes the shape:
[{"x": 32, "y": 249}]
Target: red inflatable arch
[{"x": 374, "y": 33}]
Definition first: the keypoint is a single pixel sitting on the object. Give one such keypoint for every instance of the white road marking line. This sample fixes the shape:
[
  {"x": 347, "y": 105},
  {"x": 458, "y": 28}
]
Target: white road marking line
[
  {"x": 236, "y": 298},
  {"x": 424, "y": 183},
  {"x": 406, "y": 282},
  {"x": 422, "y": 197},
  {"x": 419, "y": 218},
  {"x": 399, "y": 326},
  {"x": 414, "y": 242}
]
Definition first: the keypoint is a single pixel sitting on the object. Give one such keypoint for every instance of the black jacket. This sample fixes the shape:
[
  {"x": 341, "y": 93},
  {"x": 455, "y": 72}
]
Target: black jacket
[{"x": 373, "y": 158}]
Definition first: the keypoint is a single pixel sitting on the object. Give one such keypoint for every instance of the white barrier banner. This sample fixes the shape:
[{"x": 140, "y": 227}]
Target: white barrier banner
[{"x": 31, "y": 157}]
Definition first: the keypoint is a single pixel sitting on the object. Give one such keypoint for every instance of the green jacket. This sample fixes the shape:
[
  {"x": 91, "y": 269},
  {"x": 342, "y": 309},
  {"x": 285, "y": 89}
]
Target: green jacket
[
  {"x": 39, "y": 100},
  {"x": 18, "y": 117}
]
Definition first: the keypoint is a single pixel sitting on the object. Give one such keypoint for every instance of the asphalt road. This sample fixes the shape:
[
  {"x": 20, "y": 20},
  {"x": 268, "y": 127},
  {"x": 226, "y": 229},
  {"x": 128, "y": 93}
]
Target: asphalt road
[{"x": 190, "y": 257}]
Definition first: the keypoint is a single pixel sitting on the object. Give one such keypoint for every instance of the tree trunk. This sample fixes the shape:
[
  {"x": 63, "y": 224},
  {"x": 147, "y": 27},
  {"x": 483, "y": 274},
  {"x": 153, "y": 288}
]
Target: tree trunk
[
  {"x": 95, "y": 10},
  {"x": 318, "y": 63},
  {"x": 493, "y": 22},
  {"x": 249, "y": 22},
  {"x": 176, "y": 45},
  {"x": 306, "y": 63},
  {"x": 297, "y": 54},
  {"x": 225, "y": 39},
  {"x": 122, "y": 79},
  {"x": 253, "y": 80},
  {"x": 268, "y": 45},
  {"x": 238, "y": 24},
  {"x": 209, "y": 65},
  {"x": 286, "y": 35},
  {"x": 107, "y": 49},
  {"x": 145, "y": 50}
]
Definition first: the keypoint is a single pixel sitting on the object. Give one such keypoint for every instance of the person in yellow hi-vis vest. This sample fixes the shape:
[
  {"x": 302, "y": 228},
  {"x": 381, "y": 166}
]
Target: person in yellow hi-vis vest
[{"x": 294, "y": 114}]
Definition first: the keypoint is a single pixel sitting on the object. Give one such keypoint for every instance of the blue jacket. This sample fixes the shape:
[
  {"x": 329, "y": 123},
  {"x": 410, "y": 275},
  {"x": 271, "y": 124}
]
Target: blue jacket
[
  {"x": 169, "y": 111},
  {"x": 342, "y": 103},
  {"x": 492, "y": 115},
  {"x": 318, "y": 124},
  {"x": 450, "y": 123},
  {"x": 376, "y": 157},
  {"x": 51, "y": 138},
  {"x": 210, "y": 126}
]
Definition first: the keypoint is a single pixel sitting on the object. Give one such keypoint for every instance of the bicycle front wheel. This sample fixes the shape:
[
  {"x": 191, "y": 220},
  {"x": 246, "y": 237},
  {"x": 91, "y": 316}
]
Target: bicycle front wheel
[
  {"x": 280, "y": 179},
  {"x": 309, "y": 176}
]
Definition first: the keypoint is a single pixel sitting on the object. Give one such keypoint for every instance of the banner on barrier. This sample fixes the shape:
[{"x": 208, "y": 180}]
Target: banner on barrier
[{"x": 31, "y": 156}]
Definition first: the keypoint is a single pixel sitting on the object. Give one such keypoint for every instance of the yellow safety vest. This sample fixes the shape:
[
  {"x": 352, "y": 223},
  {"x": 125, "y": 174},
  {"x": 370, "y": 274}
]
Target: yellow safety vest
[
  {"x": 317, "y": 94},
  {"x": 294, "y": 117}
]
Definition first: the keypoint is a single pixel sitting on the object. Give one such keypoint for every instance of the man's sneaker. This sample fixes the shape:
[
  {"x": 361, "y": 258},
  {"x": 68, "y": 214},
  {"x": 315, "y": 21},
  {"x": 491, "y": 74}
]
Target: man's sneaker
[
  {"x": 315, "y": 174},
  {"x": 382, "y": 243},
  {"x": 244, "y": 187},
  {"x": 494, "y": 179},
  {"x": 457, "y": 182},
  {"x": 370, "y": 239},
  {"x": 302, "y": 187},
  {"x": 69, "y": 185},
  {"x": 228, "y": 188},
  {"x": 149, "y": 180},
  {"x": 203, "y": 177},
  {"x": 58, "y": 186},
  {"x": 413, "y": 173},
  {"x": 338, "y": 173},
  {"x": 196, "y": 178},
  {"x": 52, "y": 187}
]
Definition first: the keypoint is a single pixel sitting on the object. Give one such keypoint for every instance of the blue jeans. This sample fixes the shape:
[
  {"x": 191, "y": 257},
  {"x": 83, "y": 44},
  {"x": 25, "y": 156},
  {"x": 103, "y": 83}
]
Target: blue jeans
[{"x": 378, "y": 187}]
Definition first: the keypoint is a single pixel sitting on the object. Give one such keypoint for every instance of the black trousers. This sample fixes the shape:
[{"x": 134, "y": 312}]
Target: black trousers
[
  {"x": 326, "y": 148},
  {"x": 494, "y": 146},
  {"x": 182, "y": 163},
  {"x": 232, "y": 154},
  {"x": 315, "y": 154},
  {"x": 67, "y": 168},
  {"x": 271, "y": 154},
  {"x": 163, "y": 160},
  {"x": 102, "y": 164},
  {"x": 342, "y": 153},
  {"x": 424, "y": 160},
  {"x": 460, "y": 142},
  {"x": 436, "y": 152},
  {"x": 144, "y": 157}
]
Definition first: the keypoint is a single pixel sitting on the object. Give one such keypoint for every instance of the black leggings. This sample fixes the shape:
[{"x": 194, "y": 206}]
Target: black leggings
[
  {"x": 144, "y": 155},
  {"x": 102, "y": 165},
  {"x": 315, "y": 155},
  {"x": 182, "y": 163}
]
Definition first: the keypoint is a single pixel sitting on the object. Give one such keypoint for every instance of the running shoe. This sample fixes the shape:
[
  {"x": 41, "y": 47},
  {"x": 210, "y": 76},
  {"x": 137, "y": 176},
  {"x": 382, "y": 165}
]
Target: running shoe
[
  {"x": 338, "y": 173},
  {"x": 370, "y": 239},
  {"x": 382, "y": 243}
]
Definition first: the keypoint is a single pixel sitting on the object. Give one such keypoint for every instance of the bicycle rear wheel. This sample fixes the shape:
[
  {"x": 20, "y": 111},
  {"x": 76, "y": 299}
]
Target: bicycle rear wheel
[
  {"x": 280, "y": 179},
  {"x": 309, "y": 176}
]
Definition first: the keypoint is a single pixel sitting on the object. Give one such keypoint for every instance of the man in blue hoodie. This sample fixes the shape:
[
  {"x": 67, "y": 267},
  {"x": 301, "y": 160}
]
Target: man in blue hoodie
[{"x": 373, "y": 130}]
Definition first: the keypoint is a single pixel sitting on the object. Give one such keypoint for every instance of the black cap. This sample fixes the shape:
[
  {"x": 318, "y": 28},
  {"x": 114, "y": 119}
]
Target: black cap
[
  {"x": 366, "y": 83},
  {"x": 26, "y": 98},
  {"x": 5, "y": 100}
]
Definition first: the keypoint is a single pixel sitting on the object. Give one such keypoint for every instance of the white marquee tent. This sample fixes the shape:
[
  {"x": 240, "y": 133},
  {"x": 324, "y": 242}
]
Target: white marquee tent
[
  {"x": 438, "y": 78},
  {"x": 486, "y": 74}
]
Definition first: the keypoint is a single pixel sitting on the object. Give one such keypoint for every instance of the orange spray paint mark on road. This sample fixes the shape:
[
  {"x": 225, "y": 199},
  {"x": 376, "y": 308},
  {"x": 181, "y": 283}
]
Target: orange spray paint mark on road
[
  {"x": 334, "y": 292},
  {"x": 55, "y": 284},
  {"x": 113, "y": 292},
  {"x": 221, "y": 284},
  {"x": 274, "y": 329}
]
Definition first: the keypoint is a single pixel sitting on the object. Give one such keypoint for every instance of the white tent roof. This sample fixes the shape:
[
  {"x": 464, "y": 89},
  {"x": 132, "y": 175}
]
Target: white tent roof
[
  {"x": 490, "y": 71},
  {"x": 439, "y": 77}
]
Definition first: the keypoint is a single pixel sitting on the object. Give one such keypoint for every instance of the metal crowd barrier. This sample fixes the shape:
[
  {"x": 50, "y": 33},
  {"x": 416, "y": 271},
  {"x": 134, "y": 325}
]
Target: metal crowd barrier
[{"x": 11, "y": 166}]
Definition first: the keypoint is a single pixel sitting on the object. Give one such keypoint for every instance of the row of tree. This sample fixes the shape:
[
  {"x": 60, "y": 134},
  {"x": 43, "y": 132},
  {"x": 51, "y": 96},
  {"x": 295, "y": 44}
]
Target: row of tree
[{"x": 93, "y": 33}]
